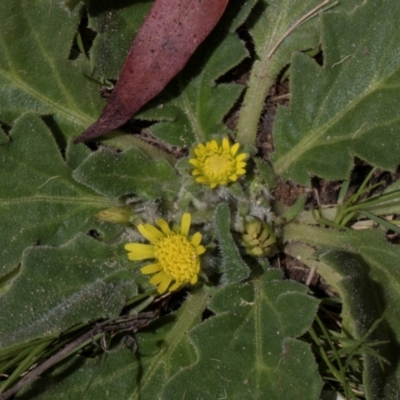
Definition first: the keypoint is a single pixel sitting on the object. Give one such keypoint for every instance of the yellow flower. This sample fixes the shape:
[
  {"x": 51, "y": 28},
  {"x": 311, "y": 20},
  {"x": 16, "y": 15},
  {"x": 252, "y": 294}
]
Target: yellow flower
[
  {"x": 176, "y": 256},
  {"x": 218, "y": 165}
]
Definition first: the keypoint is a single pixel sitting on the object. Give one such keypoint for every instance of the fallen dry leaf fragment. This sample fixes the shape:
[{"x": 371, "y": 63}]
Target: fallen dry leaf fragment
[{"x": 170, "y": 34}]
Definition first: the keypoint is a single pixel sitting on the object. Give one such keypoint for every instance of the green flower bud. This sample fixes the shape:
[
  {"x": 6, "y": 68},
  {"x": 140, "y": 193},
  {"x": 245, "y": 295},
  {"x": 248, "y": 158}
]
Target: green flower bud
[{"x": 258, "y": 238}]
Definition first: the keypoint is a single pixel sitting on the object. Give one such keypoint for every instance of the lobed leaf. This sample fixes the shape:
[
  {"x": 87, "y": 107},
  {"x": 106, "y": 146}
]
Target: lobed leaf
[
  {"x": 248, "y": 350},
  {"x": 348, "y": 107},
  {"x": 39, "y": 199},
  {"x": 35, "y": 73},
  {"x": 59, "y": 287}
]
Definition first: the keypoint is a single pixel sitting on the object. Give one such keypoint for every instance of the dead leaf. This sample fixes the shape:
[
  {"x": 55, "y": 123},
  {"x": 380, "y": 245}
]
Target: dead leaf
[{"x": 170, "y": 34}]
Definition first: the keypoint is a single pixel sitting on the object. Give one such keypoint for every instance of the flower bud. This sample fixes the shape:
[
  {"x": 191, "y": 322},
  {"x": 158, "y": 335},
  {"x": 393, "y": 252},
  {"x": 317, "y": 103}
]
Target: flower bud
[{"x": 258, "y": 238}]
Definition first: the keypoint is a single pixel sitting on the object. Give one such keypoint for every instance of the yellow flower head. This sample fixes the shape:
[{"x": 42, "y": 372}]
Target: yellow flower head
[
  {"x": 176, "y": 256},
  {"x": 218, "y": 165}
]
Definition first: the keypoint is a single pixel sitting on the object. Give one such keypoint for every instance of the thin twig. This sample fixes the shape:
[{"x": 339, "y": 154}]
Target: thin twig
[
  {"x": 311, "y": 275},
  {"x": 303, "y": 19},
  {"x": 317, "y": 199},
  {"x": 136, "y": 322},
  {"x": 281, "y": 97}
]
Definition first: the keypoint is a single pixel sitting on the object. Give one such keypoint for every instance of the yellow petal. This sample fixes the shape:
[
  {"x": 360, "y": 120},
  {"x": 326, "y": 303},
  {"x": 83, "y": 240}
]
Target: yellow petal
[
  {"x": 185, "y": 224},
  {"x": 175, "y": 286},
  {"x": 150, "y": 269},
  {"x": 225, "y": 144},
  {"x": 213, "y": 145},
  {"x": 196, "y": 239},
  {"x": 164, "y": 226},
  {"x": 241, "y": 157},
  {"x": 151, "y": 233},
  {"x": 200, "y": 151},
  {"x": 200, "y": 250},
  {"x": 194, "y": 279},
  {"x": 233, "y": 178},
  {"x": 156, "y": 279},
  {"x": 139, "y": 251},
  {"x": 235, "y": 148},
  {"x": 241, "y": 164},
  {"x": 163, "y": 286},
  {"x": 195, "y": 162},
  {"x": 201, "y": 179}
]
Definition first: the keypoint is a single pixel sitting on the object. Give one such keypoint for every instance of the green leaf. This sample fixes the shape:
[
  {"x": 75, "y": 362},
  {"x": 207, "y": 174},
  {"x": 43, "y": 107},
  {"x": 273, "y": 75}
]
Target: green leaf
[
  {"x": 35, "y": 73},
  {"x": 266, "y": 173},
  {"x": 119, "y": 174},
  {"x": 365, "y": 302},
  {"x": 269, "y": 23},
  {"x": 239, "y": 12},
  {"x": 163, "y": 350},
  {"x": 3, "y": 137},
  {"x": 248, "y": 350},
  {"x": 233, "y": 267},
  {"x": 296, "y": 209},
  {"x": 116, "y": 26},
  {"x": 364, "y": 268},
  {"x": 349, "y": 106},
  {"x": 193, "y": 106},
  {"x": 71, "y": 4},
  {"x": 60, "y": 287},
  {"x": 389, "y": 201},
  {"x": 39, "y": 200}
]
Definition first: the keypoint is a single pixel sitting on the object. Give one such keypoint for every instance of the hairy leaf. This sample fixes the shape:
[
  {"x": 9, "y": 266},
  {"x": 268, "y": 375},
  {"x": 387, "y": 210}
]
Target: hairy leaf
[
  {"x": 116, "y": 25},
  {"x": 364, "y": 268},
  {"x": 277, "y": 32},
  {"x": 40, "y": 202},
  {"x": 130, "y": 172},
  {"x": 35, "y": 73},
  {"x": 349, "y": 106},
  {"x": 248, "y": 350},
  {"x": 163, "y": 349},
  {"x": 233, "y": 267},
  {"x": 60, "y": 287}
]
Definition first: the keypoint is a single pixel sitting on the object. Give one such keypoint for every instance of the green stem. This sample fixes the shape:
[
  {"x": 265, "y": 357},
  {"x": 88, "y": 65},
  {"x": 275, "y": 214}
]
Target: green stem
[
  {"x": 324, "y": 356},
  {"x": 15, "y": 360},
  {"x": 386, "y": 224},
  {"x": 314, "y": 236},
  {"x": 262, "y": 77},
  {"x": 140, "y": 307},
  {"x": 341, "y": 371}
]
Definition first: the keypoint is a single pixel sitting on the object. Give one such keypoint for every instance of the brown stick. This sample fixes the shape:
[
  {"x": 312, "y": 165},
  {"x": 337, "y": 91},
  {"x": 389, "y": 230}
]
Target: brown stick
[{"x": 134, "y": 323}]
